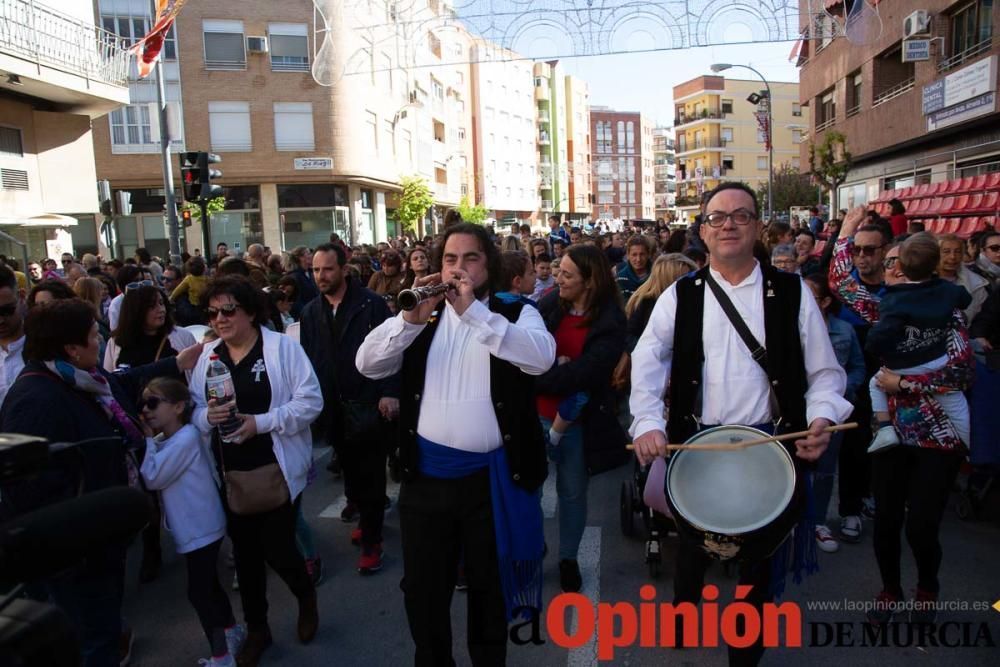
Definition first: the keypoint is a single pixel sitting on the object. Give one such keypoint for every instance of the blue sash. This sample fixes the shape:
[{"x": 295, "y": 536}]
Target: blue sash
[{"x": 517, "y": 520}]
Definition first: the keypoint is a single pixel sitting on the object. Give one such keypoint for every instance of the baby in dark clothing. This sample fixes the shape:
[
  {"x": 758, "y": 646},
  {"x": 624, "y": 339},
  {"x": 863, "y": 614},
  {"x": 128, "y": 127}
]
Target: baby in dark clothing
[{"x": 911, "y": 335}]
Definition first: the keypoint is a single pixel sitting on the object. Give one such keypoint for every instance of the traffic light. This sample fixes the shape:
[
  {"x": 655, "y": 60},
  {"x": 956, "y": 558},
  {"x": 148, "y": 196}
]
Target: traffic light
[
  {"x": 186, "y": 217},
  {"x": 197, "y": 175}
]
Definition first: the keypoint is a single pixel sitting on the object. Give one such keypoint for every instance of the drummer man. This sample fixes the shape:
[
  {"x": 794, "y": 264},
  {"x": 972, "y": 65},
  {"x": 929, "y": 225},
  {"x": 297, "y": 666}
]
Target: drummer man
[{"x": 713, "y": 378}]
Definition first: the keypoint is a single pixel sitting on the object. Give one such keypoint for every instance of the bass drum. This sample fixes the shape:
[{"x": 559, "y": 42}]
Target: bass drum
[{"x": 738, "y": 504}]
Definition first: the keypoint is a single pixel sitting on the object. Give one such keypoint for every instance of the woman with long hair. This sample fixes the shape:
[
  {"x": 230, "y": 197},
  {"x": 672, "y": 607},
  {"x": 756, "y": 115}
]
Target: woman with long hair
[
  {"x": 418, "y": 266},
  {"x": 586, "y": 318},
  {"x": 510, "y": 243},
  {"x": 95, "y": 292}
]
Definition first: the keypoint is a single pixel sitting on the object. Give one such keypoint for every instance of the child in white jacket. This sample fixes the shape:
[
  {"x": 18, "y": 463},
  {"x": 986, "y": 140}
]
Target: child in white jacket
[{"x": 179, "y": 466}]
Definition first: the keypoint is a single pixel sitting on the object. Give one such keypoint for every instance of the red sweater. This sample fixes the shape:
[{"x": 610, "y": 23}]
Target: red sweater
[
  {"x": 898, "y": 224},
  {"x": 570, "y": 336}
]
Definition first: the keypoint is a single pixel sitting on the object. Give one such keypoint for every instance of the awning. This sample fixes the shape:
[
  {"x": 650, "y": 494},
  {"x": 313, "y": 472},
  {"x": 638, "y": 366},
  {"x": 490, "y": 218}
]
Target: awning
[{"x": 43, "y": 220}]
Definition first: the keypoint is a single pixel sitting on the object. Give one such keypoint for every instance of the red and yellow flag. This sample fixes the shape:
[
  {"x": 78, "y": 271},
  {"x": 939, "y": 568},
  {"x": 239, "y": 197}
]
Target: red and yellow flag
[{"x": 147, "y": 50}]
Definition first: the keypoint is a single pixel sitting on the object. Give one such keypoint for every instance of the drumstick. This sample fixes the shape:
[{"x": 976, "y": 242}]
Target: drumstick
[{"x": 734, "y": 446}]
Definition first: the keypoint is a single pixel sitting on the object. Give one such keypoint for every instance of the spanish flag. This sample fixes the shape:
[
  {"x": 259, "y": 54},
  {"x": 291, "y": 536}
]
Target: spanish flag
[{"x": 147, "y": 50}]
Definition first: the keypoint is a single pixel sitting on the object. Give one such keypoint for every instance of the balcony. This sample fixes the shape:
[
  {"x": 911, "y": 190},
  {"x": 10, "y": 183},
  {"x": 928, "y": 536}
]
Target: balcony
[
  {"x": 545, "y": 183},
  {"x": 542, "y": 93},
  {"x": 703, "y": 114},
  {"x": 824, "y": 125},
  {"x": 702, "y": 144},
  {"x": 893, "y": 92},
  {"x": 58, "y": 58},
  {"x": 543, "y": 139},
  {"x": 966, "y": 55},
  {"x": 546, "y": 204}
]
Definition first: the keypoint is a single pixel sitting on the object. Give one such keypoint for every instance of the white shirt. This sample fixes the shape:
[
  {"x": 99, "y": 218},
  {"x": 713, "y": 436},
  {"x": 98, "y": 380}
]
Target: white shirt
[
  {"x": 115, "y": 311},
  {"x": 11, "y": 363},
  {"x": 734, "y": 385},
  {"x": 456, "y": 408}
]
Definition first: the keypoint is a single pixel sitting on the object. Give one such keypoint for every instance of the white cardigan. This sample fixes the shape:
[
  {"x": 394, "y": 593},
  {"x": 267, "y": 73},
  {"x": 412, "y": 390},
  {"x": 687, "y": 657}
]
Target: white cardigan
[
  {"x": 181, "y": 469},
  {"x": 296, "y": 403},
  {"x": 178, "y": 339}
]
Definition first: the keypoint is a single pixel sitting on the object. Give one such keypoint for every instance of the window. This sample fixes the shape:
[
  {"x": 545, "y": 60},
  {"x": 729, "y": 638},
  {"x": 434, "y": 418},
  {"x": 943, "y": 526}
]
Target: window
[
  {"x": 853, "y": 93},
  {"x": 289, "y": 47},
  {"x": 796, "y": 136},
  {"x": 459, "y": 78},
  {"x": 293, "y": 126},
  {"x": 224, "y": 45},
  {"x": 461, "y": 134},
  {"x": 386, "y": 72},
  {"x": 371, "y": 129},
  {"x": 133, "y": 28},
  {"x": 761, "y": 136},
  {"x": 728, "y": 161},
  {"x": 892, "y": 77},
  {"x": 10, "y": 142},
  {"x": 796, "y": 109},
  {"x": 438, "y": 91},
  {"x": 762, "y": 162},
  {"x": 229, "y": 126},
  {"x": 408, "y": 146},
  {"x": 727, "y": 106},
  {"x": 826, "y": 110},
  {"x": 727, "y": 134},
  {"x": 630, "y": 137},
  {"x": 971, "y": 25},
  {"x": 621, "y": 135},
  {"x": 131, "y": 125}
]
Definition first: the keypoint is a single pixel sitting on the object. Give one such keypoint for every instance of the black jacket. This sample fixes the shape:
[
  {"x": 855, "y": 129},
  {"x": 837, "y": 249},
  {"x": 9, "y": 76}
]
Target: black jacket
[
  {"x": 41, "y": 404},
  {"x": 637, "y": 322},
  {"x": 604, "y": 438},
  {"x": 332, "y": 345},
  {"x": 307, "y": 290}
]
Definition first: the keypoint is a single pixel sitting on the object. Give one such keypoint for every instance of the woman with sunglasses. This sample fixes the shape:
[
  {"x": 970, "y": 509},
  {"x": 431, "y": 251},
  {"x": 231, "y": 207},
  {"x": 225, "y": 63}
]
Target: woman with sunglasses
[
  {"x": 277, "y": 399},
  {"x": 63, "y": 395}
]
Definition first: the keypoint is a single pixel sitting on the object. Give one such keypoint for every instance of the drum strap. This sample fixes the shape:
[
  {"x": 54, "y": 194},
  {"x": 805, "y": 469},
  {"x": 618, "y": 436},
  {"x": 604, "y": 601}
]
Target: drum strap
[{"x": 757, "y": 351}]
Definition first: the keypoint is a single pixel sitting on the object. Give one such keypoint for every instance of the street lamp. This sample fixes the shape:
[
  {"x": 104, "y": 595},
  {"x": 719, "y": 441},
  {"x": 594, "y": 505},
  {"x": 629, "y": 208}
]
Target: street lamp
[{"x": 719, "y": 67}]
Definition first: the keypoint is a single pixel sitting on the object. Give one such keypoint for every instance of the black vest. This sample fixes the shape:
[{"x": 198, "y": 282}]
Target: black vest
[
  {"x": 512, "y": 392},
  {"x": 786, "y": 364}
]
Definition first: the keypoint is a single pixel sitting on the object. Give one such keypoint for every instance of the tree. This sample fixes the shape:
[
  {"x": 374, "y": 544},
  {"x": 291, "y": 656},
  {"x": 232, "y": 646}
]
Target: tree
[
  {"x": 829, "y": 164},
  {"x": 474, "y": 213},
  {"x": 791, "y": 188},
  {"x": 214, "y": 206},
  {"x": 414, "y": 202}
]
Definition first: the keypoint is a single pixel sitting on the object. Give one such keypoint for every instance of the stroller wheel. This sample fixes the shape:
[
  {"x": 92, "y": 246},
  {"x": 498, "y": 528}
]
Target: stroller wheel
[
  {"x": 964, "y": 508},
  {"x": 626, "y": 503}
]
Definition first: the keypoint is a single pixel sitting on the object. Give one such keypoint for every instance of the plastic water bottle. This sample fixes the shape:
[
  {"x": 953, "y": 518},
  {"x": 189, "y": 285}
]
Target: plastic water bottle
[{"x": 219, "y": 385}]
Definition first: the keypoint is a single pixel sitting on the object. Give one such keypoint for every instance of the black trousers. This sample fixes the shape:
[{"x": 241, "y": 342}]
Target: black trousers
[
  {"x": 266, "y": 539},
  {"x": 911, "y": 490},
  {"x": 689, "y": 579},
  {"x": 363, "y": 465},
  {"x": 439, "y": 520},
  {"x": 855, "y": 465},
  {"x": 207, "y": 596}
]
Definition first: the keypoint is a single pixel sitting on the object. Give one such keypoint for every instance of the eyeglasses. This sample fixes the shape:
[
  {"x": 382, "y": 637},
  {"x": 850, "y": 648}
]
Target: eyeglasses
[
  {"x": 866, "y": 250},
  {"x": 151, "y": 402},
  {"x": 67, "y": 261},
  {"x": 889, "y": 263},
  {"x": 8, "y": 309},
  {"x": 740, "y": 216},
  {"x": 138, "y": 284},
  {"x": 228, "y": 310},
  {"x": 993, "y": 248}
]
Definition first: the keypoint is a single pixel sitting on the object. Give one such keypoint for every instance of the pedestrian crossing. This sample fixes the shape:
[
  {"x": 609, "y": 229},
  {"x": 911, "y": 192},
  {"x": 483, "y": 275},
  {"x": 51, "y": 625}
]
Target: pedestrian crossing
[{"x": 589, "y": 559}]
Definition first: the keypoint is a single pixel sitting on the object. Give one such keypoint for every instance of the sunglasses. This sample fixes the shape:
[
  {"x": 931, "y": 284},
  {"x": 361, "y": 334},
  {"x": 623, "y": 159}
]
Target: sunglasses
[
  {"x": 889, "y": 263},
  {"x": 67, "y": 261},
  {"x": 228, "y": 310},
  {"x": 137, "y": 285},
  {"x": 8, "y": 309},
  {"x": 993, "y": 248},
  {"x": 866, "y": 250},
  {"x": 151, "y": 403}
]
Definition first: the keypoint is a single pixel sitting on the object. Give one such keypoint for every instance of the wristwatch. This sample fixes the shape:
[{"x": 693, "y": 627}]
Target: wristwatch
[{"x": 901, "y": 387}]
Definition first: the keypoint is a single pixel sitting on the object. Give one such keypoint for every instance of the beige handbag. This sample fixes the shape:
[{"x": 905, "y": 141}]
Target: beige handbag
[{"x": 255, "y": 491}]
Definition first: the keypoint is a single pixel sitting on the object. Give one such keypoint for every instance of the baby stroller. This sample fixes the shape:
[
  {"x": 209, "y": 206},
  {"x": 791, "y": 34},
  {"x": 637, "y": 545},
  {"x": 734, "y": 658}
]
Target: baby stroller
[
  {"x": 984, "y": 449},
  {"x": 656, "y": 519}
]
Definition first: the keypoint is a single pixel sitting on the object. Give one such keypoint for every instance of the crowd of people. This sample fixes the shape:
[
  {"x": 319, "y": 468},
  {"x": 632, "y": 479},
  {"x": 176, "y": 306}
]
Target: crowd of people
[{"x": 553, "y": 347}]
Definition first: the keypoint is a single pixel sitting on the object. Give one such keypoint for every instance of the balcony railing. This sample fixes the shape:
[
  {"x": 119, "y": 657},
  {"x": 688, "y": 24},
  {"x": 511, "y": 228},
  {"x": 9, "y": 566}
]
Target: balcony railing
[
  {"x": 681, "y": 119},
  {"x": 543, "y": 139},
  {"x": 968, "y": 54},
  {"x": 892, "y": 93},
  {"x": 854, "y": 111},
  {"x": 546, "y": 204},
  {"x": 41, "y": 34},
  {"x": 822, "y": 125},
  {"x": 711, "y": 142}
]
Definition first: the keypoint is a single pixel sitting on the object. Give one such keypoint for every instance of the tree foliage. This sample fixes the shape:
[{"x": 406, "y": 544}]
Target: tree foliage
[
  {"x": 474, "y": 213},
  {"x": 791, "y": 188},
  {"x": 830, "y": 162},
  {"x": 414, "y": 202},
  {"x": 214, "y": 206}
]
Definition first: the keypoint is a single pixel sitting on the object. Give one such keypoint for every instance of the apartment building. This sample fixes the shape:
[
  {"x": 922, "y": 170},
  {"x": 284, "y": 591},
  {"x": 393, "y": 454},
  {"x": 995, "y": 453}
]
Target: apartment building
[
  {"x": 316, "y": 118},
  {"x": 917, "y": 104},
  {"x": 719, "y": 136},
  {"x": 58, "y": 71},
  {"x": 553, "y": 170},
  {"x": 578, "y": 148},
  {"x": 664, "y": 173},
  {"x": 505, "y": 133},
  {"x": 622, "y": 158}
]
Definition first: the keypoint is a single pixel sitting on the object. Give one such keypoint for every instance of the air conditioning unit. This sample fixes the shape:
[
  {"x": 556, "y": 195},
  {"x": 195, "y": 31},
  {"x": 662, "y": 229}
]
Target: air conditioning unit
[
  {"x": 917, "y": 23},
  {"x": 257, "y": 44}
]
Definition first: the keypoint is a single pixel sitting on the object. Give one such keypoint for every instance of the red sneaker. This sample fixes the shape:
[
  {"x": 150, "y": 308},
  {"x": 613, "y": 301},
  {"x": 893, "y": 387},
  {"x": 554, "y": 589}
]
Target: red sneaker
[
  {"x": 371, "y": 559},
  {"x": 924, "y": 607},
  {"x": 883, "y": 607},
  {"x": 356, "y": 537}
]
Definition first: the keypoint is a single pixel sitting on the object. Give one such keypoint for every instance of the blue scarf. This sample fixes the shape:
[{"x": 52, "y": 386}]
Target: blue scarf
[{"x": 517, "y": 521}]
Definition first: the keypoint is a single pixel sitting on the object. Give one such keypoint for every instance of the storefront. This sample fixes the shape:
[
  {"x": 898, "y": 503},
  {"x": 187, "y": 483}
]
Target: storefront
[{"x": 310, "y": 213}]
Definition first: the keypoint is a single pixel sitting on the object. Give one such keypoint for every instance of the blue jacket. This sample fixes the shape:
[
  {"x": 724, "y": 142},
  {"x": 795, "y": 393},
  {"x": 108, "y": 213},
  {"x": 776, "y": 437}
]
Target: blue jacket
[
  {"x": 628, "y": 282},
  {"x": 914, "y": 320},
  {"x": 849, "y": 356},
  {"x": 307, "y": 290}
]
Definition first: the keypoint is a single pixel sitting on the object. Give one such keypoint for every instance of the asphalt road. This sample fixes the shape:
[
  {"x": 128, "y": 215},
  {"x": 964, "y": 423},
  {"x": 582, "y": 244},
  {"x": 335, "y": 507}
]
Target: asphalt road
[{"x": 363, "y": 621}]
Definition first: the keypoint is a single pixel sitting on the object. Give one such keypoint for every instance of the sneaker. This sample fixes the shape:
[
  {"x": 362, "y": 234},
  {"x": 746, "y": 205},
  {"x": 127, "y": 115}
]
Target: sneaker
[
  {"x": 461, "y": 583},
  {"x": 569, "y": 576},
  {"x": 924, "y": 608},
  {"x": 885, "y": 438},
  {"x": 882, "y": 610},
  {"x": 850, "y": 529},
  {"x": 314, "y": 566},
  {"x": 371, "y": 559},
  {"x": 220, "y": 661},
  {"x": 236, "y": 582},
  {"x": 868, "y": 508},
  {"x": 125, "y": 641},
  {"x": 350, "y": 513},
  {"x": 356, "y": 537},
  {"x": 825, "y": 539},
  {"x": 235, "y": 636},
  {"x": 258, "y": 641}
]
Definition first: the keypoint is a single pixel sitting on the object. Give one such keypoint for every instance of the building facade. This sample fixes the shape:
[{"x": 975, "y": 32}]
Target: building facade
[
  {"x": 718, "y": 136},
  {"x": 316, "y": 117},
  {"x": 664, "y": 173},
  {"x": 58, "y": 71},
  {"x": 622, "y": 164},
  {"x": 906, "y": 122},
  {"x": 578, "y": 148}
]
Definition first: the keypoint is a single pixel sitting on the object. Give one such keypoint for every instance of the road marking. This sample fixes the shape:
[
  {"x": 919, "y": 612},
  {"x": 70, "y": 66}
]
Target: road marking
[
  {"x": 589, "y": 559},
  {"x": 334, "y": 509},
  {"x": 320, "y": 453},
  {"x": 550, "y": 497}
]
